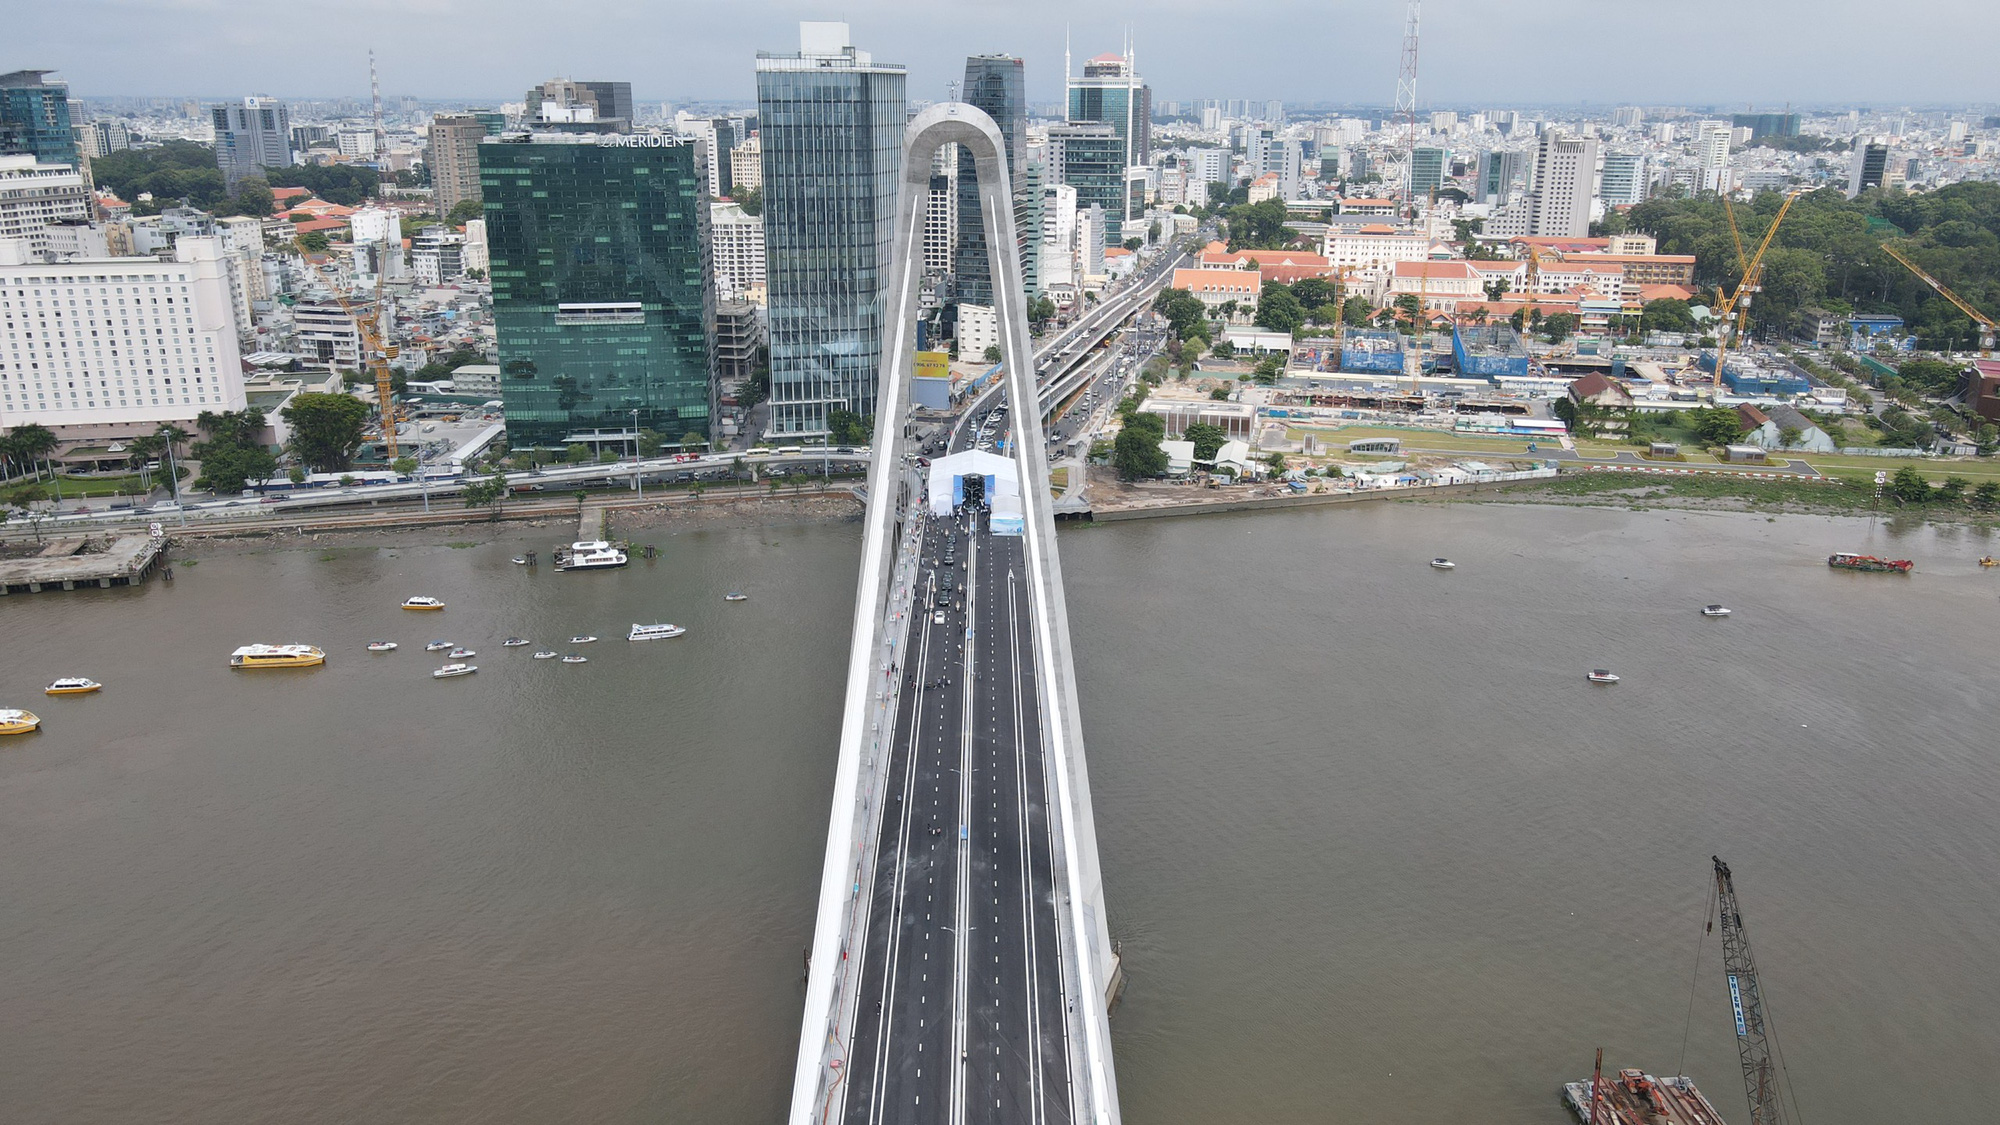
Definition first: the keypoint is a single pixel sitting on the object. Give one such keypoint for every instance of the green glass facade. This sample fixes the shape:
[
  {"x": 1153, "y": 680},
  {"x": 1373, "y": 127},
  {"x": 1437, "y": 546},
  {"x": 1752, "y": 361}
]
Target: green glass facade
[
  {"x": 1092, "y": 160},
  {"x": 34, "y": 117},
  {"x": 601, "y": 300}
]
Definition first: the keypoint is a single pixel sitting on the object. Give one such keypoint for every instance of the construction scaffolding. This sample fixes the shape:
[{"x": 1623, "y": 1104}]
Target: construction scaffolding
[
  {"x": 1373, "y": 351},
  {"x": 1488, "y": 351}
]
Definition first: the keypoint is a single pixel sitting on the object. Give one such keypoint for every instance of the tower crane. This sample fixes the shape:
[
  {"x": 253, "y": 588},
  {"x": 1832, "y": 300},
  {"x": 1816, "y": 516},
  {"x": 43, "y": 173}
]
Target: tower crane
[
  {"x": 377, "y": 352},
  {"x": 1737, "y": 304},
  {"x": 1986, "y": 326},
  {"x": 1746, "y": 1002}
]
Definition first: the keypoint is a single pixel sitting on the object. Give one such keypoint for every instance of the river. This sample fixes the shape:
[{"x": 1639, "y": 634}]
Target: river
[{"x": 1374, "y": 848}]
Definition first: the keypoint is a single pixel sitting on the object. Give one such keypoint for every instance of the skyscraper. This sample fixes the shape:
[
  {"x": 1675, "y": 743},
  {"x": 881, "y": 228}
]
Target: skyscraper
[
  {"x": 598, "y": 245},
  {"x": 1427, "y": 167},
  {"x": 251, "y": 137},
  {"x": 453, "y": 158},
  {"x": 1624, "y": 180},
  {"x": 1090, "y": 157},
  {"x": 994, "y": 83},
  {"x": 564, "y": 105},
  {"x": 1559, "y": 203},
  {"x": 1111, "y": 92},
  {"x": 831, "y": 123},
  {"x": 1711, "y": 145},
  {"x": 34, "y": 117},
  {"x": 1499, "y": 171},
  {"x": 1869, "y": 169}
]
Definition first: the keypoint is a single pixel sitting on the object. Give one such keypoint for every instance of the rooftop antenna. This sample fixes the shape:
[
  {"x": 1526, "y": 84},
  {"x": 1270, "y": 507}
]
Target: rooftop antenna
[
  {"x": 1406, "y": 102},
  {"x": 375, "y": 89}
]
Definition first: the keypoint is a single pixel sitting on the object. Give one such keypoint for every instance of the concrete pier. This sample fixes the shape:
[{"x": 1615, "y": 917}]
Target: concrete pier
[{"x": 125, "y": 562}]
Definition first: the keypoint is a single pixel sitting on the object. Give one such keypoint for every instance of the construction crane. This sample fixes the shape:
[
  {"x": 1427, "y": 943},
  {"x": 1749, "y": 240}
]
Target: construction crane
[
  {"x": 1737, "y": 304},
  {"x": 1746, "y": 1001},
  {"x": 376, "y": 353},
  {"x": 1987, "y": 328}
]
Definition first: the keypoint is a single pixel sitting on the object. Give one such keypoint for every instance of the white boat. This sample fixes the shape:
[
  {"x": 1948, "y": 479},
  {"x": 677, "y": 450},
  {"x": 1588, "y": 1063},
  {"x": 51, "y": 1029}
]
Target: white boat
[
  {"x": 437, "y": 646},
  {"x": 547, "y": 654},
  {"x": 381, "y": 646},
  {"x": 654, "y": 632},
  {"x": 72, "y": 685},
  {"x": 1715, "y": 611},
  {"x": 13, "y": 720},
  {"x": 461, "y": 653},
  {"x": 573, "y": 658},
  {"x": 1602, "y": 676},
  {"x": 1443, "y": 564},
  {"x": 735, "y": 597},
  {"x": 514, "y": 642},
  {"x": 450, "y": 670},
  {"x": 582, "y": 640},
  {"x": 520, "y": 560},
  {"x": 277, "y": 656},
  {"x": 589, "y": 554},
  {"x": 422, "y": 603}
]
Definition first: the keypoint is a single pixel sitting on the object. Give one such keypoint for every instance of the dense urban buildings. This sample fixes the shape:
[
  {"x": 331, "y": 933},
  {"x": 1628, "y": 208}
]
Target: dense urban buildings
[
  {"x": 251, "y": 137},
  {"x": 36, "y": 196},
  {"x": 453, "y": 159},
  {"x": 831, "y": 124},
  {"x": 598, "y": 246}
]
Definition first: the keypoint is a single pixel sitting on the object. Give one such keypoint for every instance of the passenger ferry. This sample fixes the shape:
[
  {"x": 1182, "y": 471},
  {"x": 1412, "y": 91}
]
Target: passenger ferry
[
  {"x": 450, "y": 670},
  {"x": 72, "y": 685},
  {"x": 655, "y": 632},
  {"x": 590, "y": 554},
  {"x": 423, "y": 603},
  {"x": 277, "y": 656},
  {"x": 13, "y": 720}
]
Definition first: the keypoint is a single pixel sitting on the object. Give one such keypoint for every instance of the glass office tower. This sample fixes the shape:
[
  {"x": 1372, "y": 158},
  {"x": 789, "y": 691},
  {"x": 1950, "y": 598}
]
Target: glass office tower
[
  {"x": 995, "y": 84},
  {"x": 34, "y": 117},
  {"x": 1090, "y": 157},
  {"x": 601, "y": 298},
  {"x": 1110, "y": 92},
  {"x": 831, "y": 121}
]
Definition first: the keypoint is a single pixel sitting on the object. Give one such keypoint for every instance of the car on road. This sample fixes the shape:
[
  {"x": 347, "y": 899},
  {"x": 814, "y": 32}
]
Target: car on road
[{"x": 937, "y": 618}]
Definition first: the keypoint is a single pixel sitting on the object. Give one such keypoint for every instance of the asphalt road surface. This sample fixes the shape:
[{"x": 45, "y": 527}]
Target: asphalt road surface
[{"x": 962, "y": 1014}]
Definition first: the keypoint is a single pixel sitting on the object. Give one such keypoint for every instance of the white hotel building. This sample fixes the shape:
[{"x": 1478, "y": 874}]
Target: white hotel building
[{"x": 113, "y": 347}]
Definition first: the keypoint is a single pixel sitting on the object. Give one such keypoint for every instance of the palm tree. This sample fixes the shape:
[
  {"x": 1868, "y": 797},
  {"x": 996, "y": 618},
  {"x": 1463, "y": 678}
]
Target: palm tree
[{"x": 32, "y": 442}]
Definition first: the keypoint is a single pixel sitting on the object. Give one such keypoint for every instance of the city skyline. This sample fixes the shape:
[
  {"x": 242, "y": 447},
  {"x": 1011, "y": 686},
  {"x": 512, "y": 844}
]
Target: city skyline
[{"x": 1542, "y": 53}]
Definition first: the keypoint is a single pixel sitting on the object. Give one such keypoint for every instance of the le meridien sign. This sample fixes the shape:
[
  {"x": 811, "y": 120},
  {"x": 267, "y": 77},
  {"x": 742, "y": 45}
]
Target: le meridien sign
[{"x": 637, "y": 140}]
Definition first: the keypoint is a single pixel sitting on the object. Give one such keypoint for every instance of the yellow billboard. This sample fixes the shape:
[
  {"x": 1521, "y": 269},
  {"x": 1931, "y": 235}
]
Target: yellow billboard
[{"x": 933, "y": 365}]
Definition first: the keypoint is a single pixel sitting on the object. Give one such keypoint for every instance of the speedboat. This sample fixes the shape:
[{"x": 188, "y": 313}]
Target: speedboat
[
  {"x": 1602, "y": 676},
  {"x": 72, "y": 685},
  {"x": 1715, "y": 611},
  {"x": 732, "y": 596},
  {"x": 277, "y": 656},
  {"x": 13, "y": 720},
  {"x": 1443, "y": 564},
  {"x": 461, "y": 653},
  {"x": 654, "y": 632},
  {"x": 547, "y": 654},
  {"x": 573, "y": 658},
  {"x": 450, "y": 670},
  {"x": 590, "y": 554},
  {"x": 381, "y": 646},
  {"x": 514, "y": 642},
  {"x": 437, "y": 646},
  {"x": 422, "y": 603},
  {"x": 582, "y": 640},
  {"x": 520, "y": 560}
]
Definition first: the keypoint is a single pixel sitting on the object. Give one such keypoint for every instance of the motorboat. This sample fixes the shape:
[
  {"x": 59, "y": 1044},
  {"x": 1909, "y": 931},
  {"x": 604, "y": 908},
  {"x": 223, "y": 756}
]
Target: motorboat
[
  {"x": 450, "y": 670},
  {"x": 580, "y": 640},
  {"x": 381, "y": 646},
  {"x": 422, "y": 603},
  {"x": 1988, "y": 560},
  {"x": 547, "y": 654},
  {"x": 520, "y": 560},
  {"x": 514, "y": 642},
  {"x": 1443, "y": 564},
  {"x": 574, "y": 658},
  {"x": 438, "y": 646},
  {"x": 1602, "y": 676},
  {"x": 1715, "y": 611},
  {"x": 655, "y": 632},
  {"x": 461, "y": 653},
  {"x": 733, "y": 596},
  {"x": 590, "y": 554},
  {"x": 13, "y": 720},
  {"x": 72, "y": 685},
  {"x": 277, "y": 656}
]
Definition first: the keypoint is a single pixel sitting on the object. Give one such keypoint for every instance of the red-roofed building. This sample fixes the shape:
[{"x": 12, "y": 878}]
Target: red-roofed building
[
  {"x": 1282, "y": 266},
  {"x": 288, "y": 194},
  {"x": 1216, "y": 288},
  {"x": 1384, "y": 207},
  {"x": 1986, "y": 389}
]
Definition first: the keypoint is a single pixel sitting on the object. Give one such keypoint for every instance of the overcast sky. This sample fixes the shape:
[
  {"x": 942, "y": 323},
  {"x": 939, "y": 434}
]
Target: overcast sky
[{"x": 1475, "y": 52}]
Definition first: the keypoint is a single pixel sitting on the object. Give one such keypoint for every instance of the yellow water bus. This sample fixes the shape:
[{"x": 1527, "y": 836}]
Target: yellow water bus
[{"x": 277, "y": 656}]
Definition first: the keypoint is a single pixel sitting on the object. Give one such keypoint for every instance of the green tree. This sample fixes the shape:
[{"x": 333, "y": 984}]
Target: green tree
[
  {"x": 404, "y": 466},
  {"x": 1040, "y": 312},
  {"x": 1986, "y": 497},
  {"x": 1183, "y": 310},
  {"x": 253, "y": 198},
  {"x": 326, "y": 428},
  {"x": 750, "y": 199},
  {"x": 649, "y": 443},
  {"x": 1667, "y": 314},
  {"x": 1267, "y": 369},
  {"x": 1558, "y": 327},
  {"x": 345, "y": 184},
  {"x": 849, "y": 428},
  {"x": 30, "y": 444},
  {"x": 488, "y": 493},
  {"x": 692, "y": 440},
  {"x": 1207, "y": 439},
  {"x": 1313, "y": 292},
  {"x": 1714, "y": 425},
  {"x": 1278, "y": 310},
  {"x": 991, "y": 354},
  {"x": 1356, "y": 310},
  {"x": 1952, "y": 490},
  {"x": 464, "y": 211},
  {"x": 314, "y": 241},
  {"x": 1134, "y": 243},
  {"x": 1909, "y": 486},
  {"x": 1137, "y": 453},
  {"x": 1260, "y": 226}
]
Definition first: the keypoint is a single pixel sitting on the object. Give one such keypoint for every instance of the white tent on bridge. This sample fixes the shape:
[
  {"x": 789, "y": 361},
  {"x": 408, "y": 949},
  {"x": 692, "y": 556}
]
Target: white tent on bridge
[{"x": 999, "y": 477}]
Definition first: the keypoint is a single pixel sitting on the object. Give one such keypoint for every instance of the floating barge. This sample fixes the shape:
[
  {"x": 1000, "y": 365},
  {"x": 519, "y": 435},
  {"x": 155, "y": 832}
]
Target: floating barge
[
  {"x": 1633, "y": 1097},
  {"x": 63, "y": 566}
]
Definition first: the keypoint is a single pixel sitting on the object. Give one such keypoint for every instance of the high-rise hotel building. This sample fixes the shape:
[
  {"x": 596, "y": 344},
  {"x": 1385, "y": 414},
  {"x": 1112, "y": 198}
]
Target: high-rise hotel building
[{"x": 830, "y": 120}]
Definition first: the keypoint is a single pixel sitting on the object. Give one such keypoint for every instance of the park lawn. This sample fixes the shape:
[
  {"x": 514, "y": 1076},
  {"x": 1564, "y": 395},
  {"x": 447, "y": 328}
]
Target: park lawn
[
  {"x": 1415, "y": 439},
  {"x": 1976, "y": 470},
  {"x": 1059, "y": 478}
]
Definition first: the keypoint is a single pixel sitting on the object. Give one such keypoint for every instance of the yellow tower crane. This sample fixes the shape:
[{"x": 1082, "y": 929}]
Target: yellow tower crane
[
  {"x": 1736, "y": 306},
  {"x": 378, "y": 352},
  {"x": 1985, "y": 323}
]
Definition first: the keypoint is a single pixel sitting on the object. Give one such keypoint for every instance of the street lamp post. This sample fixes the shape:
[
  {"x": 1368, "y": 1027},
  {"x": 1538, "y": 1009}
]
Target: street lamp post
[{"x": 638, "y": 484}]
